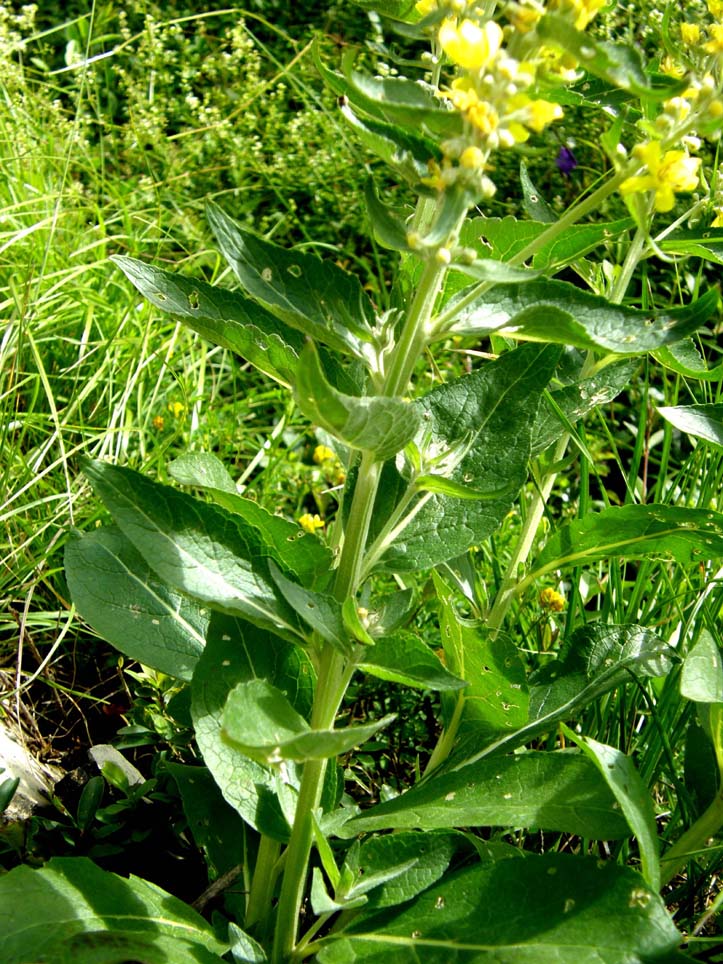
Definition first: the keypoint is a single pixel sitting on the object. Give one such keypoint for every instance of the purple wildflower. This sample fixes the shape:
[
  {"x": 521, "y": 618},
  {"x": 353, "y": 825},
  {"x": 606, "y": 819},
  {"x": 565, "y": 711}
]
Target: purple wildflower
[{"x": 565, "y": 160}]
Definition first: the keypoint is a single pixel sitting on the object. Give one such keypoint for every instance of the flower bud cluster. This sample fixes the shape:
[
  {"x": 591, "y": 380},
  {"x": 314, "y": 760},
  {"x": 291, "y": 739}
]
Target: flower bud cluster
[{"x": 495, "y": 90}]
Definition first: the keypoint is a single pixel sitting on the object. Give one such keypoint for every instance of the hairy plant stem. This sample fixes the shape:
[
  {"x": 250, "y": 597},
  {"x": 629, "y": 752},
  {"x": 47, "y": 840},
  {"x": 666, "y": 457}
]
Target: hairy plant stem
[{"x": 335, "y": 670}]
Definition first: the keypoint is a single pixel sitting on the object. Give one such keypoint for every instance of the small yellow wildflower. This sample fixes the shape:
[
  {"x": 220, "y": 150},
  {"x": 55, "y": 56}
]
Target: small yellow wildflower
[
  {"x": 322, "y": 453},
  {"x": 669, "y": 174},
  {"x": 310, "y": 523},
  {"x": 716, "y": 8},
  {"x": 552, "y": 600},
  {"x": 158, "y": 422},
  {"x": 690, "y": 34},
  {"x": 717, "y": 221},
  {"x": 671, "y": 67},
  {"x": 715, "y": 44},
  {"x": 583, "y": 11},
  {"x": 176, "y": 409},
  {"x": 469, "y": 45},
  {"x": 425, "y": 7}
]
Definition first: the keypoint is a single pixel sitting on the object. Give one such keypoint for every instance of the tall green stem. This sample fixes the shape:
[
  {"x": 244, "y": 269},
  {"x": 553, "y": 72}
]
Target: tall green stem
[{"x": 335, "y": 670}]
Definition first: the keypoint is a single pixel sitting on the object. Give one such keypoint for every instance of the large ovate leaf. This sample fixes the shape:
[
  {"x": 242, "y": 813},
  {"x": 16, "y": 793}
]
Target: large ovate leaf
[
  {"x": 701, "y": 679},
  {"x": 411, "y": 104},
  {"x": 702, "y": 421},
  {"x": 72, "y": 912},
  {"x": 202, "y": 469},
  {"x": 314, "y": 296},
  {"x": 538, "y": 790},
  {"x": 374, "y": 424},
  {"x": 321, "y": 612},
  {"x": 236, "y": 652},
  {"x": 561, "y": 313},
  {"x": 595, "y": 659},
  {"x": 631, "y": 531},
  {"x": 262, "y": 723},
  {"x": 405, "y": 658},
  {"x": 119, "y": 594},
  {"x": 555, "y": 908},
  {"x": 481, "y": 424},
  {"x": 225, "y": 318},
  {"x": 406, "y": 151},
  {"x": 619, "y": 772},
  {"x": 195, "y": 547}
]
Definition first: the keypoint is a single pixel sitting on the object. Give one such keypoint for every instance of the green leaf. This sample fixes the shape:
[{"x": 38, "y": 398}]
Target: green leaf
[
  {"x": 411, "y": 104},
  {"x": 117, "y": 592},
  {"x": 225, "y": 318},
  {"x": 702, "y": 421},
  {"x": 401, "y": 865},
  {"x": 321, "y": 612},
  {"x": 595, "y": 659},
  {"x": 619, "y": 64},
  {"x": 388, "y": 231},
  {"x": 539, "y": 790},
  {"x": 684, "y": 358},
  {"x": 236, "y": 652},
  {"x": 632, "y": 531},
  {"x": 262, "y": 723},
  {"x": 203, "y": 470},
  {"x": 314, "y": 296},
  {"x": 496, "y": 699},
  {"x": 195, "y": 547},
  {"x": 620, "y": 774},
  {"x": 503, "y": 238},
  {"x": 535, "y": 205},
  {"x": 244, "y": 949},
  {"x": 405, "y": 151},
  {"x": 701, "y": 679},
  {"x": 372, "y": 423},
  {"x": 560, "y": 313},
  {"x": 482, "y": 424},
  {"x": 575, "y": 400},
  {"x": 407, "y": 659},
  {"x": 72, "y": 912},
  {"x": 552, "y": 908},
  {"x": 706, "y": 243}
]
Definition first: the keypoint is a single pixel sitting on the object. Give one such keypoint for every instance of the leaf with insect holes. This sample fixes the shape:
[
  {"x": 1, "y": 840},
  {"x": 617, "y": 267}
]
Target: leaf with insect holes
[
  {"x": 314, "y": 296},
  {"x": 121, "y": 597},
  {"x": 237, "y": 652},
  {"x": 555, "y": 908},
  {"x": 225, "y": 318},
  {"x": 483, "y": 423}
]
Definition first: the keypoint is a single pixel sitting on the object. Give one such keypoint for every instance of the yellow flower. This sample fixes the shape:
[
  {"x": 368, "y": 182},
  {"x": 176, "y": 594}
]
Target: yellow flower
[
  {"x": 670, "y": 67},
  {"x": 322, "y": 453},
  {"x": 310, "y": 523},
  {"x": 715, "y": 44},
  {"x": 541, "y": 113},
  {"x": 176, "y": 409},
  {"x": 716, "y": 8},
  {"x": 552, "y": 600},
  {"x": 669, "y": 174},
  {"x": 425, "y": 7},
  {"x": 690, "y": 34},
  {"x": 583, "y": 11},
  {"x": 472, "y": 158},
  {"x": 158, "y": 422},
  {"x": 469, "y": 45}
]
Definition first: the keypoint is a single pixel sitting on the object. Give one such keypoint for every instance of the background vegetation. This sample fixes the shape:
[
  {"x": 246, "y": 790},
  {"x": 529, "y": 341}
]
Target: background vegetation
[{"x": 115, "y": 127}]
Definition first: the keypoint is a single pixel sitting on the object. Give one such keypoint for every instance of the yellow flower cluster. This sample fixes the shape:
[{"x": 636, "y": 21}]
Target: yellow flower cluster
[
  {"x": 667, "y": 174},
  {"x": 552, "y": 600},
  {"x": 491, "y": 92},
  {"x": 310, "y": 523}
]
